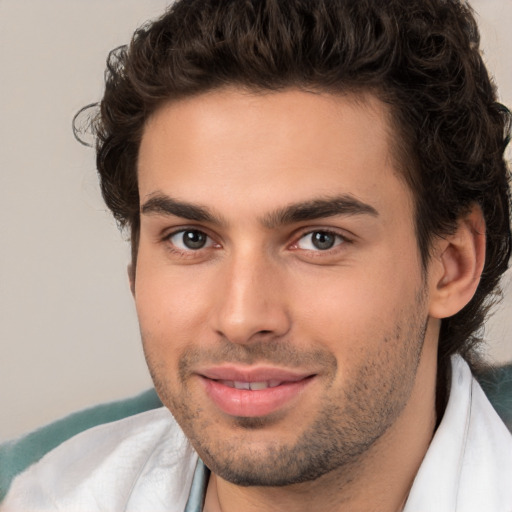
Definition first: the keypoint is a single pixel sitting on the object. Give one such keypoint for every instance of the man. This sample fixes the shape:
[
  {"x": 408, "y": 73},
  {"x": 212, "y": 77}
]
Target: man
[{"x": 319, "y": 212}]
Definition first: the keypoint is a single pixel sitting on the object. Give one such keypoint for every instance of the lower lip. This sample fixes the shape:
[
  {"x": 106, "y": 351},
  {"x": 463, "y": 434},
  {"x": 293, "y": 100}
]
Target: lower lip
[{"x": 251, "y": 404}]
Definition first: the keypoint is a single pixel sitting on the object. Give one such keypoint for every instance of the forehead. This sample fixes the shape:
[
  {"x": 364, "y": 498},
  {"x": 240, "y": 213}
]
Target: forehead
[{"x": 258, "y": 151}]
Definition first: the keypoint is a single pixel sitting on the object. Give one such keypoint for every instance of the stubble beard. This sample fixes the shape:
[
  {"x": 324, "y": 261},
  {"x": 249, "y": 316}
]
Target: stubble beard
[{"x": 347, "y": 422}]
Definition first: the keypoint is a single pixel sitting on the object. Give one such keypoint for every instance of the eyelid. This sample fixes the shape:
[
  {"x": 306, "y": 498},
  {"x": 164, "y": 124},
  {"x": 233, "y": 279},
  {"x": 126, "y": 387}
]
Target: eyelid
[
  {"x": 342, "y": 235},
  {"x": 166, "y": 238},
  {"x": 329, "y": 230}
]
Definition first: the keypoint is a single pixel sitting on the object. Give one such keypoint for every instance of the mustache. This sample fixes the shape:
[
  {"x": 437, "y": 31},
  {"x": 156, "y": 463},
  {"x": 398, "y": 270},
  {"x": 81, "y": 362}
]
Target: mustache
[{"x": 279, "y": 353}]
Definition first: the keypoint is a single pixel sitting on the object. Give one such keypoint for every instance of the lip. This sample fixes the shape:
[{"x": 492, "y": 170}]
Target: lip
[{"x": 286, "y": 386}]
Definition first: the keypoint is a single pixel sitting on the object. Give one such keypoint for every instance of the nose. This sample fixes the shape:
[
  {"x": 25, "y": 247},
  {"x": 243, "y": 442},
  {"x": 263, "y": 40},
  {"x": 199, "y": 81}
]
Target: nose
[{"x": 251, "y": 303}]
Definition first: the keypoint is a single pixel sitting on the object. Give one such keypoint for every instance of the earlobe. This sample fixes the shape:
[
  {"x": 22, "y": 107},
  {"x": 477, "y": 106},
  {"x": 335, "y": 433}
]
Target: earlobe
[{"x": 457, "y": 265}]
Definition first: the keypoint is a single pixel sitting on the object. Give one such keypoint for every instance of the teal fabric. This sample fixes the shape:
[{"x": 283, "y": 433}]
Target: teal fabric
[
  {"x": 497, "y": 384},
  {"x": 17, "y": 455}
]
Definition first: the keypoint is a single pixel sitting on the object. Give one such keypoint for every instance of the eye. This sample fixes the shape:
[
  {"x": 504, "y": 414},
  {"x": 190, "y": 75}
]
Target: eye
[
  {"x": 319, "y": 241},
  {"x": 190, "y": 240}
]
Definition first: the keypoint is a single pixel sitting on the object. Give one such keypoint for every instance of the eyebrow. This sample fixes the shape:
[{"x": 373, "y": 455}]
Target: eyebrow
[
  {"x": 165, "y": 205},
  {"x": 317, "y": 209},
  {"x": 348, "y": 205}
]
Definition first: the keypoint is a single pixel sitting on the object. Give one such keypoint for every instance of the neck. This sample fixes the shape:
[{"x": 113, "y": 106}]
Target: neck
[{"x": 330, "y": 493}]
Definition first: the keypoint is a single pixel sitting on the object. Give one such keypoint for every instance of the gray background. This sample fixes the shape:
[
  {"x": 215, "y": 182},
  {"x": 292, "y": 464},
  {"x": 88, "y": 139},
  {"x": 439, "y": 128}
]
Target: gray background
[{"x": 68, "y": 331}]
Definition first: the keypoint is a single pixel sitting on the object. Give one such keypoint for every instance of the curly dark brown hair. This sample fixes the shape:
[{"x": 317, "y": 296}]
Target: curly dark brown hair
[{"x": 420, "y": 58}]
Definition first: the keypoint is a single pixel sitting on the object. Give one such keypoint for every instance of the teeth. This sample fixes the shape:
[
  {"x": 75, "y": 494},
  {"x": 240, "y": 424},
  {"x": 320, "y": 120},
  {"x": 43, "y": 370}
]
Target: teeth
[
  {"x": 259, "y": 385},
  {"x": 254, "y": 386}
]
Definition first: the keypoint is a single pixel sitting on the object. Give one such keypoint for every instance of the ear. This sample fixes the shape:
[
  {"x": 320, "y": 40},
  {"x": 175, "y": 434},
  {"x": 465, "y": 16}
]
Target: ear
[
  {"x": 131, "y": 277},
  {"x": 457, "y": 265}
]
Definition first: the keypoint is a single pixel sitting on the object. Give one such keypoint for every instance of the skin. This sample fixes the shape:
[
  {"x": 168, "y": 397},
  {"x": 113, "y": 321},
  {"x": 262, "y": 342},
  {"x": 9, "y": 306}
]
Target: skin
[{"x": 360, "y": 317}]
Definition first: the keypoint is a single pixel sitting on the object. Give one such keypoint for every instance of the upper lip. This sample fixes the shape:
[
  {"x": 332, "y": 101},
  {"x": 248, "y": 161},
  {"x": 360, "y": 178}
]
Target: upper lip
[{"x": 252, "y": 374}]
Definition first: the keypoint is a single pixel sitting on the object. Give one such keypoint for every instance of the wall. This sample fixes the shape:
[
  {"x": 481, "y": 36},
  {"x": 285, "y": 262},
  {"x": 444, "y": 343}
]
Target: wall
[{"x": 68, "y": 332}]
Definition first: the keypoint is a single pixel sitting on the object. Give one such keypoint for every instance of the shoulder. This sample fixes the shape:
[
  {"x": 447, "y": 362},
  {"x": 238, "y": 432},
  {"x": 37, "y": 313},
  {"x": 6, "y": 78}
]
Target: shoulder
[
  {"x": 468, "y": 466},
  {"x": 486, "y": 468},
  {"x": 143, "y": 458}
]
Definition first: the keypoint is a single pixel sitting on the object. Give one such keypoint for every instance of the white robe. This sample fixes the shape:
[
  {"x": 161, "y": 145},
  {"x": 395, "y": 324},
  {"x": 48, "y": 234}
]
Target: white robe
[{"x": 144, "y": 463}]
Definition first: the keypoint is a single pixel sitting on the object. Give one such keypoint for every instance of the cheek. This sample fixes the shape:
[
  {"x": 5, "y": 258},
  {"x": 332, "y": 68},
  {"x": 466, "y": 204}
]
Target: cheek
[
  {"x": 171, "y": 307},
  {"x": 354, "y": 311}
]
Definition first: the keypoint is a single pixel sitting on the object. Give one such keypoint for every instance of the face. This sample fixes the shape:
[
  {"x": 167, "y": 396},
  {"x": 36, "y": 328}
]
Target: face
[{"x": 279, "y": 289}]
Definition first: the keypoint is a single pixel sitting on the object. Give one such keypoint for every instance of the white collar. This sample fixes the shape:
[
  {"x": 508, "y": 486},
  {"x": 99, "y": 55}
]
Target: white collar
[{"x": 468, "y": 466}]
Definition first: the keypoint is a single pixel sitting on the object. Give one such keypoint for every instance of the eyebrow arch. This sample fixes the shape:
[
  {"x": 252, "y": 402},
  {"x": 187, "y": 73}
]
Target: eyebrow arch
[
  {"x": 164, "y": 205},
  {"x": 161, "y": 204},
  {"x": 317, "y": 209}
]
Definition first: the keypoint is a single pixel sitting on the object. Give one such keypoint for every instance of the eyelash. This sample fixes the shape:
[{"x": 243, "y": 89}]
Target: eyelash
[
  {"x": 340, "y": 240},
  {"x": 188, "y": 252}
]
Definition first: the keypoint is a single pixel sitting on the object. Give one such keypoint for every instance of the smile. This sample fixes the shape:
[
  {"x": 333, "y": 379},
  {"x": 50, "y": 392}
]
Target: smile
[
  {"x": 254, "y": 386},
  {"x": 253, "y": 392}
]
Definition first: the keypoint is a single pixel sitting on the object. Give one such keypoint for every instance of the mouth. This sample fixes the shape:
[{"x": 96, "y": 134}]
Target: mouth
[
  {"x": 253, "y": 386},
  {"x": 253, "y": 392}
]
